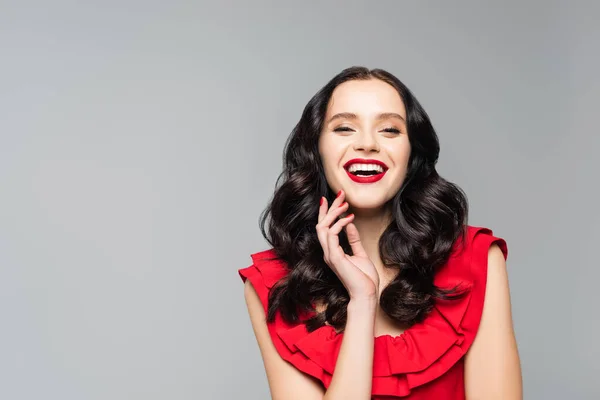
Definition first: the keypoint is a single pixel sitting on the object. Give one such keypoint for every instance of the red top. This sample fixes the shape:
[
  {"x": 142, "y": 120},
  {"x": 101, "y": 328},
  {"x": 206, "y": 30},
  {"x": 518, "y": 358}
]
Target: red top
[{"x": 426, "y": 360}]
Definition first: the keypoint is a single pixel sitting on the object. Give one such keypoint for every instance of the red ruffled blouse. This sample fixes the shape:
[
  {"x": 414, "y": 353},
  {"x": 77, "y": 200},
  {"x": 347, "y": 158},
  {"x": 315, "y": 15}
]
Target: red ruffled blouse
[{"x": 426, "y": 360}]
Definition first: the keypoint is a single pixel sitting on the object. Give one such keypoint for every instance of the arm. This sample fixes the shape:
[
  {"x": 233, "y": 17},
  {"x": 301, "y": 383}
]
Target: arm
[
  {"x": 353, "y": 375},
  {"x": 352, "y": 378},
  {"x": 492, "y": 366}
]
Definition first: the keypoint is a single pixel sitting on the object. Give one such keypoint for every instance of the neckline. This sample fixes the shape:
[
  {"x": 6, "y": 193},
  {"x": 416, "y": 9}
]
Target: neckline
[{"x": 333, "y": 333}]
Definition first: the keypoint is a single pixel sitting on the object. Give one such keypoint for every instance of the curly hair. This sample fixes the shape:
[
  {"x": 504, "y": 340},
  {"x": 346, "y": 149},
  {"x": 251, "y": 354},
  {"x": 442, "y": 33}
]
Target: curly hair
[{"x": 429, "y": 214}]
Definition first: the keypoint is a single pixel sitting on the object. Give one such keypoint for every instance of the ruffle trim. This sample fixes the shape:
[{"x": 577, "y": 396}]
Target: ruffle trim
[{"x": 419, "y": 355}]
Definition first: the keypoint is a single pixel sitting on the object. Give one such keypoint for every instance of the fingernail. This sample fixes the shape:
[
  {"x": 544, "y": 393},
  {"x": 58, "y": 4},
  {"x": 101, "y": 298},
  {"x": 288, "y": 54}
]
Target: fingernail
[
  {"x": 343, "y": 204},
  {"x": 338, "y": 194},
  {"x": 350, "y": 215},
  {"x": 321, "y": 201}
]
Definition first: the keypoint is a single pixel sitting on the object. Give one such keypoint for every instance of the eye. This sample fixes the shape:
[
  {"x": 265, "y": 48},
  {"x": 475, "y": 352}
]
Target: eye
[
  {"x": 342, "y": 129},
  {"x": 348, "y": 129}
]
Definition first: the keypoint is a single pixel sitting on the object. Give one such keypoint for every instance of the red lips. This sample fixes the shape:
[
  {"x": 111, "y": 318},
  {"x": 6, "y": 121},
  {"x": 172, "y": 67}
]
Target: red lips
[{"x": 365, "y": 179}]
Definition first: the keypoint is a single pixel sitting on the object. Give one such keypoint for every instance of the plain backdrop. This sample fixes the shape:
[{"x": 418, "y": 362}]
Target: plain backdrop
[{"x": 140, "y": 140}]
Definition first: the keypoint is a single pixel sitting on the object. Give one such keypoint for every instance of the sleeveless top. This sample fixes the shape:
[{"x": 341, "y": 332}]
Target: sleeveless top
[{"x": 426, "y": 361}]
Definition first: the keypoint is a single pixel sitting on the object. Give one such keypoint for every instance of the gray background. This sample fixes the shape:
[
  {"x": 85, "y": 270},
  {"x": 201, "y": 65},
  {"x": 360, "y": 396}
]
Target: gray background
[{"x": 139, "y": 141}]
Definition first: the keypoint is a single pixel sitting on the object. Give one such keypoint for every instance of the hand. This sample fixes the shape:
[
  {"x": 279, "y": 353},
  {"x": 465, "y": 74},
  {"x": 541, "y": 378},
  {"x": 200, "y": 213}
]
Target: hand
[{"x": 356, "y": 272}]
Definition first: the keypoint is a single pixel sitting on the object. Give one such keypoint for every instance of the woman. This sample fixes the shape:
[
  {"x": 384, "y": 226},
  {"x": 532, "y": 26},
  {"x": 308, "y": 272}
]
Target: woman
[{"x": 374, "y": 287}]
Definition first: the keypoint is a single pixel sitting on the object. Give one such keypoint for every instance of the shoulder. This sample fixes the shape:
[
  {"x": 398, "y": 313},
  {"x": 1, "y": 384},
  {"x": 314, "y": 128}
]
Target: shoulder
[
  {"x": 482, "y": 241},
  {"x": 486, "y": 251},
  {"x": 267, "y": 264},
  {"x": 266, "y": 270},
  {"x": 478, "y": 260},
  {"x": 479, "y": 239},
  {"x": 468, "y": 262},
  {"x": 288, "y": 371}
]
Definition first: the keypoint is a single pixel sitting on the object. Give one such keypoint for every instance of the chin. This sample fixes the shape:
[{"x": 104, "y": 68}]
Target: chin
[{"x": 366, "y": 204}]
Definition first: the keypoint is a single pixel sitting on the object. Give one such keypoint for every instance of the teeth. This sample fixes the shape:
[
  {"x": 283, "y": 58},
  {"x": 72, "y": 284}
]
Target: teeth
[{"x": 365, "y": 167}]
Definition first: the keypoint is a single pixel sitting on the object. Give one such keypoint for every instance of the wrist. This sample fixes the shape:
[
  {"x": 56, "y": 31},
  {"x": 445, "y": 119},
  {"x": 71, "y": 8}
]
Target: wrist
[
  {"x": 362, "y": 311},
  {"x": 363, "y": 302}
]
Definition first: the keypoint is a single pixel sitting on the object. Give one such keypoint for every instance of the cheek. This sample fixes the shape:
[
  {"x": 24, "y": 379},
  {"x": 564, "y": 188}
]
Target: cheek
[
  {"x": 331, "y": 154},
  {"x": 402, "y": 153},
  {"x": 401, "y": 157}
]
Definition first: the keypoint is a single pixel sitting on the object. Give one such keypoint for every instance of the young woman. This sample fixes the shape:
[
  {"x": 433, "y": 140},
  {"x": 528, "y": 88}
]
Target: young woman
[{"x": 375, "y": 286}]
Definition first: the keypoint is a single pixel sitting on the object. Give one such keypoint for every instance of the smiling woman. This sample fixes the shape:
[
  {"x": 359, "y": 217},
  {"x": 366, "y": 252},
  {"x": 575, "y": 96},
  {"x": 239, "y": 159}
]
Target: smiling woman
[{"x": 375, "y": 285}]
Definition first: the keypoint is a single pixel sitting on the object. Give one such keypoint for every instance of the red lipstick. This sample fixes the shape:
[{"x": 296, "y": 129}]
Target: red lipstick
[{"x": 365, "y": 178}]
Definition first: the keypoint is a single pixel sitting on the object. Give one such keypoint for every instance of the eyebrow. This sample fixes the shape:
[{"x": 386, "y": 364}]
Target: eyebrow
[{"x": 348, "y": 115}]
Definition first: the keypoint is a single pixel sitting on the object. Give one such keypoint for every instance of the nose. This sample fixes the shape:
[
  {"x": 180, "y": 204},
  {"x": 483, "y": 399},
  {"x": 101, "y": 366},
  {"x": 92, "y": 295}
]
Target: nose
[{"x": 366, "y": 141}]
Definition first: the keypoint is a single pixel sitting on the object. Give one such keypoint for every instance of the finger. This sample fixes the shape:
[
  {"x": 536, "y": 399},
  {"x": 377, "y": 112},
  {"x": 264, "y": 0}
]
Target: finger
[
  {"x": 354, "y": 240},
  {"x": 333, "y": 241},
  {"x": 322, "y": 209},
  {"x": 323, "y": 227},
  {"x": 327, "y": 217},
  {"x": 339, "y": 198},
  {"x": 334, "y": 212},
  {"x": 339, "y": 225}
]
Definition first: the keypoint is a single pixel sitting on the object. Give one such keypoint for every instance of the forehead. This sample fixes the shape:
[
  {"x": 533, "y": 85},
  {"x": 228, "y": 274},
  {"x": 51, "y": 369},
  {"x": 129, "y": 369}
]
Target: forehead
[{"x": 365, "y": 98}]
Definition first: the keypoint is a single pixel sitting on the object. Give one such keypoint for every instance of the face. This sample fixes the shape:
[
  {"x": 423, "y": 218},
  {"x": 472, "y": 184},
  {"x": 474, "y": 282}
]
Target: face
[{"x": 365, "y": 119}]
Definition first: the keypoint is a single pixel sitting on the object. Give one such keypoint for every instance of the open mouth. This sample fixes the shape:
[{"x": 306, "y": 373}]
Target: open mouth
[{"x": 365, "y": 171}]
